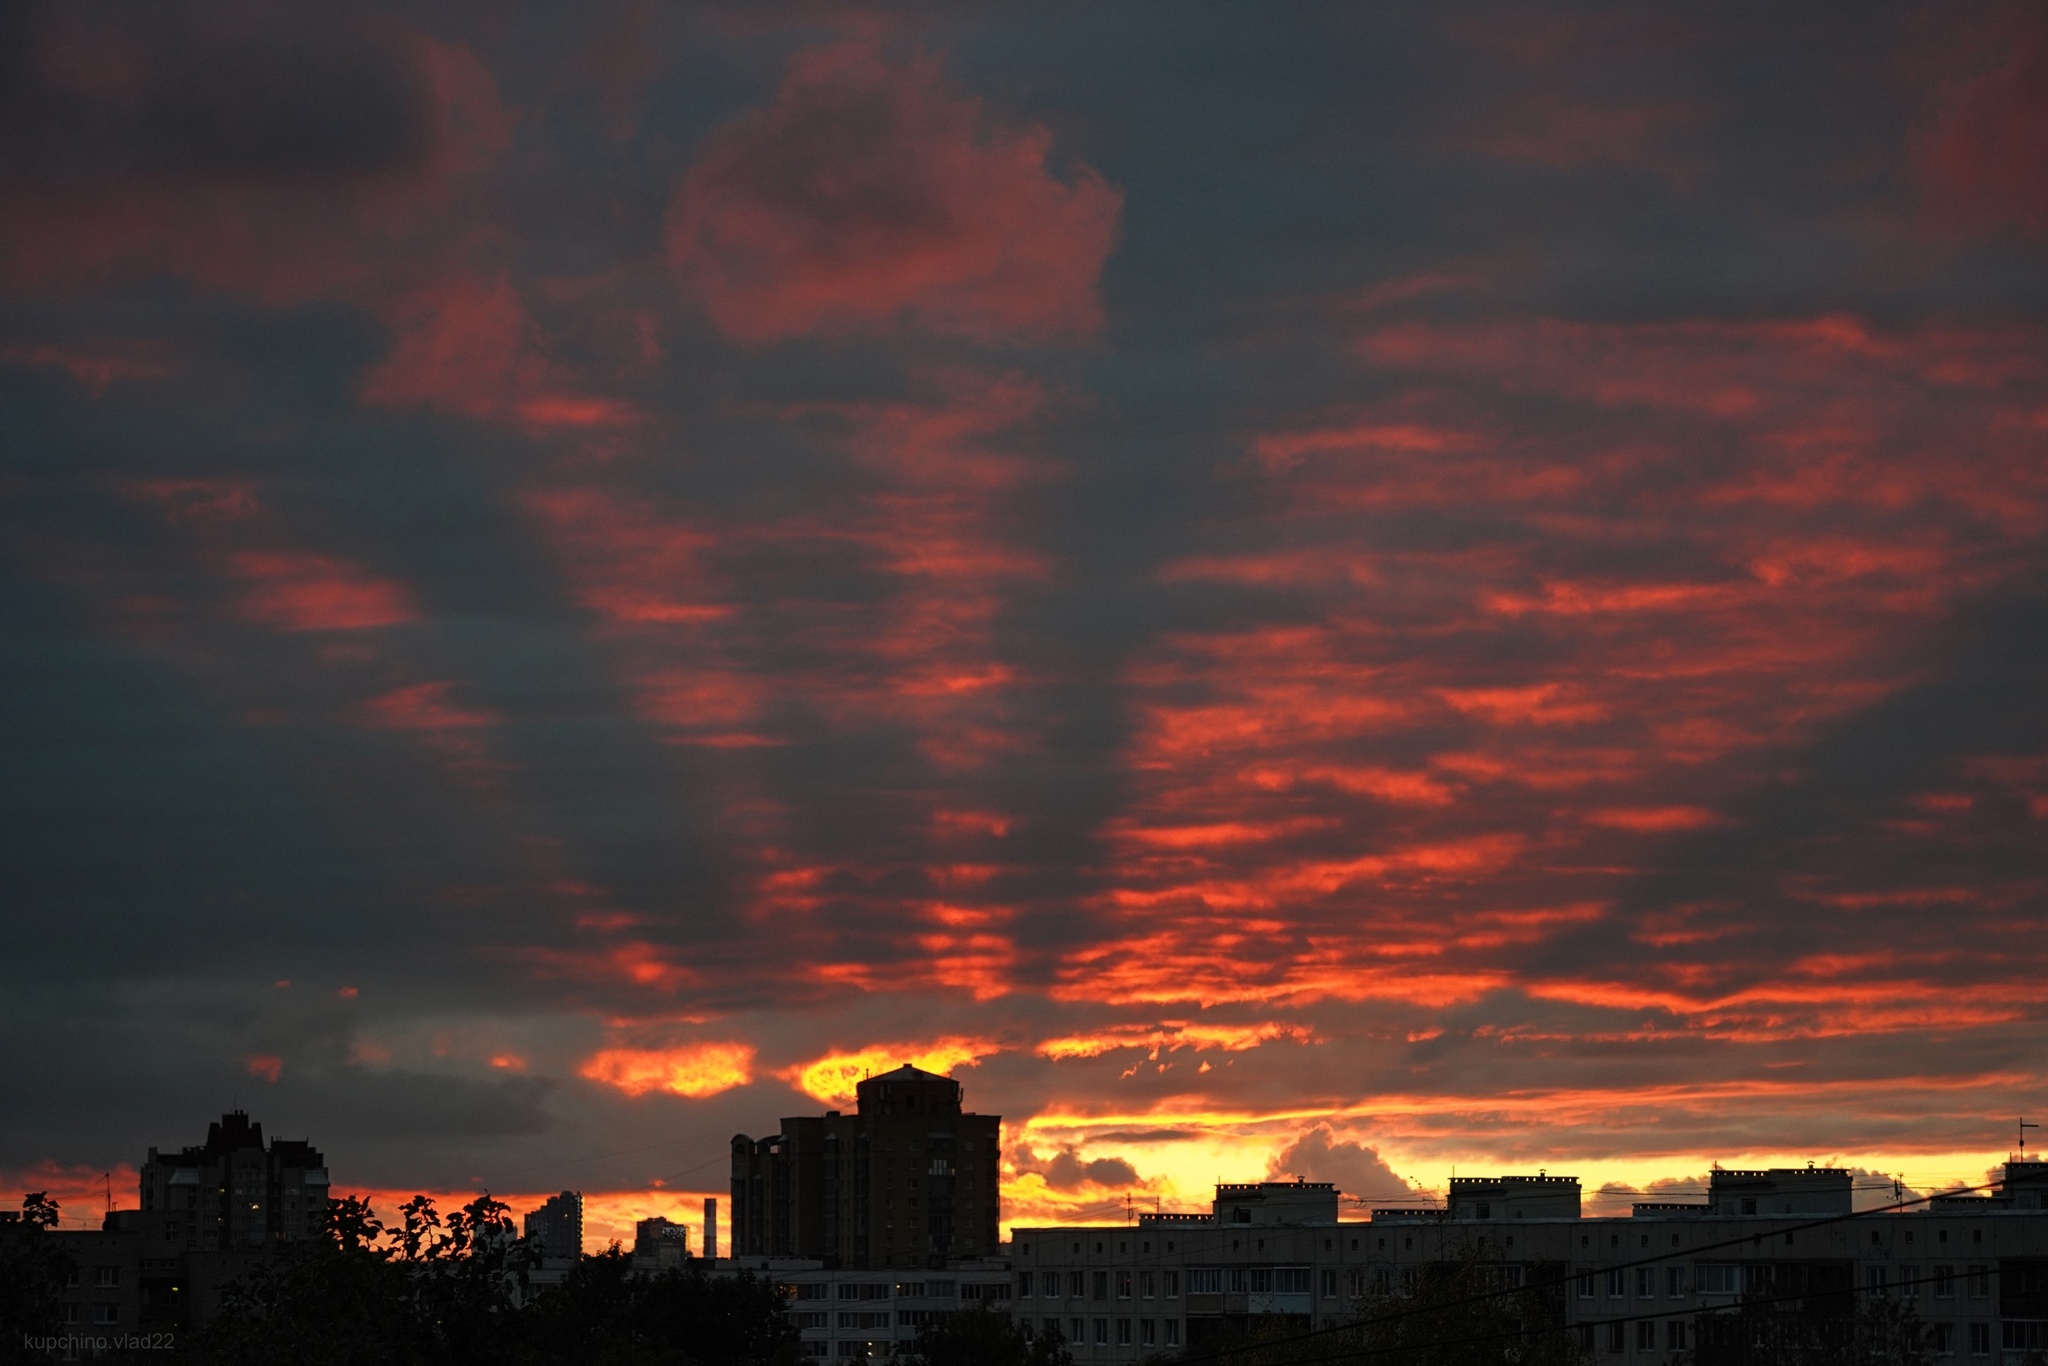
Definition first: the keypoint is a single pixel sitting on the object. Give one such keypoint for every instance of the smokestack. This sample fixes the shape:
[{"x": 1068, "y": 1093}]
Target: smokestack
[{"x": 711, "y": 1227}]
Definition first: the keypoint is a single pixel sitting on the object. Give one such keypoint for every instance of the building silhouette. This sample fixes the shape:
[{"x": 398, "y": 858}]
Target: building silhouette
[
  {"x": 558, "y": 1227},
  {"x": 232, "y": 1193},
  {"x": 908, "y": 1180},
  {"x": 1664, "y": 1285}
]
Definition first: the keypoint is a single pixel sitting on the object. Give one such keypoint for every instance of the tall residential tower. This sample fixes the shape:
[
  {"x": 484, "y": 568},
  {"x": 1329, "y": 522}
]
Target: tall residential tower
[{"x": 907, "y": 1180}]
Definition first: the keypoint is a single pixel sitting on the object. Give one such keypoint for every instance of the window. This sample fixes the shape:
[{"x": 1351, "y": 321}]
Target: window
[
  {"x": 1383, "y": 1282},
  {"x": 2024, "y": 1335},
  {"x": 1172, "y": 1279},
  {"x": 1123, "y": 1332},
  {"x": 1077, "y": 1336},
  {"x": 1123, "y": 1285},
  {"x": 1147, "y": 1333},
  {"x": 1942, "y": 1338},
  {"x": 1616, "y": 1337},
  {"x": 74, "y": 1313},
  {"x": 1205, "y": 1280},
  {"x": 1354, "y": 1283},
  {"x": 1173, "y": 1332},
  {"x": 1586, "y": 1285},
  {"x": 1646, "y": 1336},
  {"x": 1646, "y": 1282},
  {"x": 850, "y": 1319},
  {"x": 816, "y": 1318},
  {"x": 1329, "y": 1285},
  {"x": 1102, "y": 1332},
  {"x": 1944, "y": 1282},
  {"x": 1674, "y": 1282},
  {"x": 1023, "y": 1285},
  {"x": 1102, "y": 1285},
  {"x": 1148, "y": 1284},
  {"x": 1980, "y": 1282},
  {"x": 1980, "y": 1339},
  {"x": 103, "y": 1314},
  {"x": 1077, "y": 1285},
  {"x": 105, "y": 1277},
  {"x": 1874, "y": 1280},
  {"x": 1909, "y": 1282},
  {"x": 1585, "y": 1335},
  {"x": 1617, "y": 1285},
  {"x": 1674, "y": 1335}
]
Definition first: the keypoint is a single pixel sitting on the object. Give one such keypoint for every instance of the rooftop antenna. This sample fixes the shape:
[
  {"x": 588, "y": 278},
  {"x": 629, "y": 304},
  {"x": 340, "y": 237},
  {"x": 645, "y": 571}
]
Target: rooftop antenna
[
  {"x": 2024, "y": 1126},
  {"x": 108, "y": 1177}
]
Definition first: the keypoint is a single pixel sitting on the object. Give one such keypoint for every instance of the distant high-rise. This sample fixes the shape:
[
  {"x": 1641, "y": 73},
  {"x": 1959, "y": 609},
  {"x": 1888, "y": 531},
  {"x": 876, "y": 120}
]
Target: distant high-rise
[
  {"x": 711, "y": 1227},
  {"x": 233, "y": 1193},
  {"x": 661, "y": 1241},
  {"x": 558, "y": 1227},
  {"x": 908, "y": 1180}
]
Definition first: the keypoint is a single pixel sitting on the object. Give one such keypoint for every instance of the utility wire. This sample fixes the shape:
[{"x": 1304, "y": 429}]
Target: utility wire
[{"x": 1695, "y": 1312}]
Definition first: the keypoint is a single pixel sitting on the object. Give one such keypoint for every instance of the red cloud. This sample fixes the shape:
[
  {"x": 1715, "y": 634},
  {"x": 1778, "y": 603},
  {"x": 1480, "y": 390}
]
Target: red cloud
[
  {"x": 873, "y": 193},
  {"x": 295, "y": 591}
]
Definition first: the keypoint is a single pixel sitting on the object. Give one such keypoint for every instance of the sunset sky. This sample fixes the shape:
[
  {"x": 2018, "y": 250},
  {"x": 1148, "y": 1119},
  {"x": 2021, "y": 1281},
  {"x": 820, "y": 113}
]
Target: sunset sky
[{"x": 1348, "y": 590}]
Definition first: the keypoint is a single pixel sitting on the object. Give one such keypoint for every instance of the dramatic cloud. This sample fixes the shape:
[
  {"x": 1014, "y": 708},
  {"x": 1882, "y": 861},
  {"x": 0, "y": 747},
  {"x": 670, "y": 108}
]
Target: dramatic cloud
[
  {"x": 1351, "y": 594},
  {"x": 695, "y": 1070},
  {"x": 874, "y": 191},
  {"x": 1356, "y": 1169}
]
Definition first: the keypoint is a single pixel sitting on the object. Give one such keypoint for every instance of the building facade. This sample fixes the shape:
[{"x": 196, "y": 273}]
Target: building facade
[
  {"x": 908, "y": 1181},
  {"x": 558, "y": 1227},
  {"x": 1636, "y": 1290},
  {"x": 844, "y": 1314},
  {"x": 233, "y": 1193},
  {"x": 660, "y": 1243}
]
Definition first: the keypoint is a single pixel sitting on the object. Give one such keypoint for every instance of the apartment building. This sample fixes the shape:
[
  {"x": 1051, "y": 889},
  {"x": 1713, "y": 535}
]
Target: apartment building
[
  {"x": 557, "y": 1227},
  {"x": 1636, "y": 1290},
  {"x": 908, "y": 1182},
  {"x": 854, "y": 1315},
  {"x": 233, "y": 1193}
]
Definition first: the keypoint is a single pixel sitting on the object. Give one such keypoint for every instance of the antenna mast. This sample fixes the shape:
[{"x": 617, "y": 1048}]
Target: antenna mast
[{"x": 2024, "y": 1126}]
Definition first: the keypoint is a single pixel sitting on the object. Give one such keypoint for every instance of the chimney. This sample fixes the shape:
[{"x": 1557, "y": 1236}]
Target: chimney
[{"x": 711, "y": 1227}]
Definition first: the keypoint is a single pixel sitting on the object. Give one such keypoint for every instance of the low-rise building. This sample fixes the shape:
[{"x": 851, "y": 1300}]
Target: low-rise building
[
  {"x": 1636, "y": 1290},
  {"x": 846, "y": 1314}
]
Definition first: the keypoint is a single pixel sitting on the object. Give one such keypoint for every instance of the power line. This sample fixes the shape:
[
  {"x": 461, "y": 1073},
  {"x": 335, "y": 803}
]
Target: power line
[{"x": 1511, "y": 1334}]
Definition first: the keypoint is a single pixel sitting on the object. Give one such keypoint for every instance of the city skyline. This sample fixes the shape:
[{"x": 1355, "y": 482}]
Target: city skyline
[{"x": 1353, "y": 592}]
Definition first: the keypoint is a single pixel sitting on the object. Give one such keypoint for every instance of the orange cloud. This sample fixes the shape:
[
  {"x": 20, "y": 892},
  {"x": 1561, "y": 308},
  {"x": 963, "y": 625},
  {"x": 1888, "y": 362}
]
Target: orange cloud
[
  {"x": 1170, "y": 1035},
  {"x": 832, "y": 1078},
  {"x": 693, "y": 1070}
]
